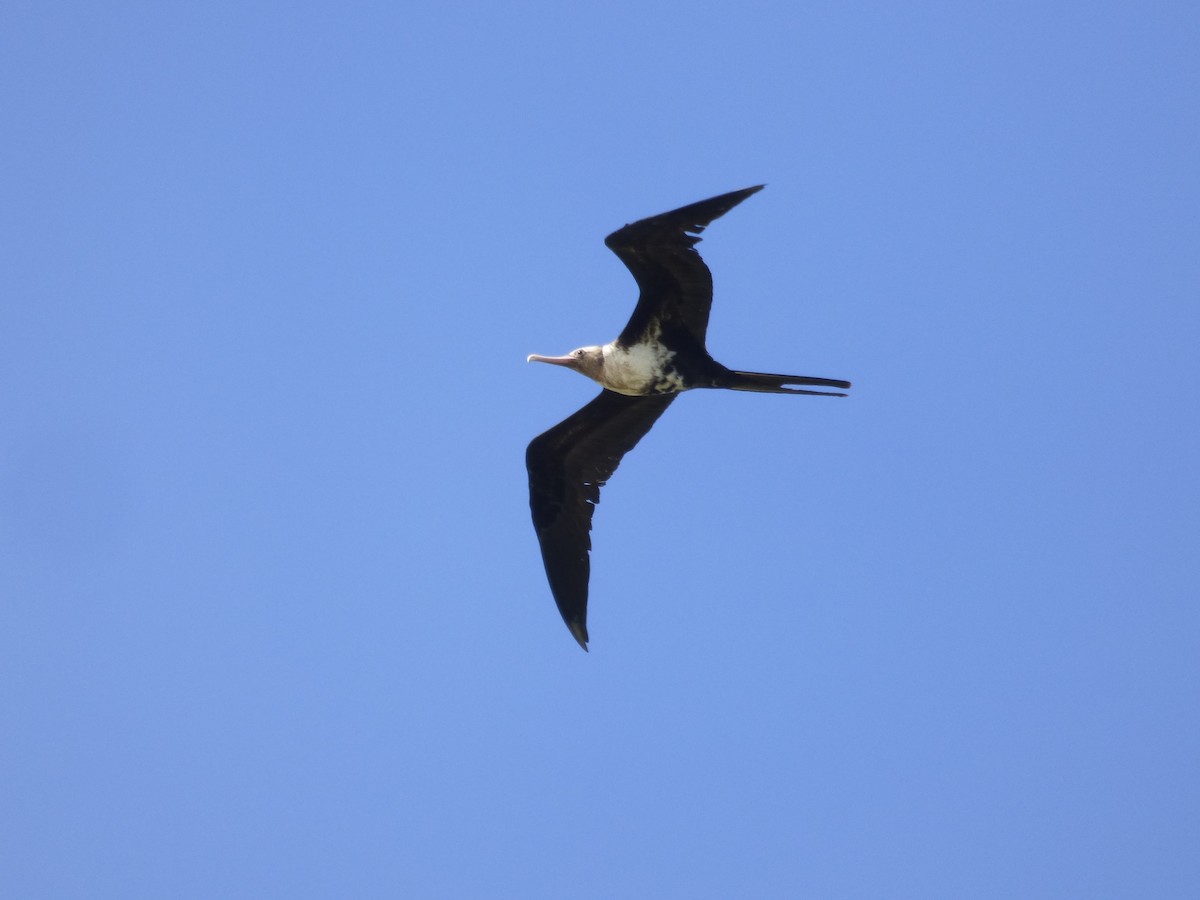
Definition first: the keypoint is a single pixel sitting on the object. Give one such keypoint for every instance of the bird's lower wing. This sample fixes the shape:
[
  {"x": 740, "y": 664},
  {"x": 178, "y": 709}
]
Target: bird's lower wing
[{"x": 567, "y": 467}]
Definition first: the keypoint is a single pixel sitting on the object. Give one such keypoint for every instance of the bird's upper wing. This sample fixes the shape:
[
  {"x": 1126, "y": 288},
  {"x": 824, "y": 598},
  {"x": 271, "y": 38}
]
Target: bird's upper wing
[
  {"x": 567, "y": 466},
  {"x": 676, "y": 286}
]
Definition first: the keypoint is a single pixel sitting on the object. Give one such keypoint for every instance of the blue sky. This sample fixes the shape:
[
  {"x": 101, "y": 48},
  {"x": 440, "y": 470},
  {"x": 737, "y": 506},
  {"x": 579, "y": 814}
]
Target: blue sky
[{"x": 273, "y": 621}]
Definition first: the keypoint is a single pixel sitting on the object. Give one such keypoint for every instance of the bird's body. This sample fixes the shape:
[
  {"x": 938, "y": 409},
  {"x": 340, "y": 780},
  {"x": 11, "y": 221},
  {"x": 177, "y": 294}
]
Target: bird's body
[
  {"x": 646, "y": 368},
  {"x": 660, "y": 353}
]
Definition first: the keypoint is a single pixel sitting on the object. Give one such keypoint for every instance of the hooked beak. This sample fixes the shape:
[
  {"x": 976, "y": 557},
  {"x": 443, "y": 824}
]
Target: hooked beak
[{"x": 568, "y": 361}]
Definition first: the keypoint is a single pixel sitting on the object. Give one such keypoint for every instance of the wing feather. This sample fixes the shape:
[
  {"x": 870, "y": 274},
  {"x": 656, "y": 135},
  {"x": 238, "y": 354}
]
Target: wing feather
[
  {"x": 675, "y": 284},
  {"x": 567, "y": 467}
]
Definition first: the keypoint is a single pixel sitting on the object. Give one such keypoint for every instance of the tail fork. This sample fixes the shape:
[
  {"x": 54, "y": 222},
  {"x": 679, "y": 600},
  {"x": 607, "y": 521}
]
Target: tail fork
[{"x": 777, "y": 384}]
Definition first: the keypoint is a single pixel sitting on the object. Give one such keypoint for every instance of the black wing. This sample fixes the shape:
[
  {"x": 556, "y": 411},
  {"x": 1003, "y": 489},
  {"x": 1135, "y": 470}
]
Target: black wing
[
  {"x": 567, "y": 467},
  {"x": 676, "y": 286}
]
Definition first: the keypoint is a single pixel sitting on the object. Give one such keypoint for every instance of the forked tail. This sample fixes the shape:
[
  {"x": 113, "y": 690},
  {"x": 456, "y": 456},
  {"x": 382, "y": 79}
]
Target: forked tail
[{"x": 777, "y": 384}]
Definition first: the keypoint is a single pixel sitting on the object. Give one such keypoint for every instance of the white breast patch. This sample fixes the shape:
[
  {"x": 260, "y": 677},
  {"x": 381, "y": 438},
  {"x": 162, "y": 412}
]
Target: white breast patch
[{"x": 640, "y": 370}]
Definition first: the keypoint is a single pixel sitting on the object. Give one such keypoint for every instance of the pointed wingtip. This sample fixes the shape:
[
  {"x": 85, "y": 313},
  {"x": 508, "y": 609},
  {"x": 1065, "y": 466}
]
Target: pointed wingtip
[
  {"x": 579, "y": 632},
  {"x": 745, "y": 192}
]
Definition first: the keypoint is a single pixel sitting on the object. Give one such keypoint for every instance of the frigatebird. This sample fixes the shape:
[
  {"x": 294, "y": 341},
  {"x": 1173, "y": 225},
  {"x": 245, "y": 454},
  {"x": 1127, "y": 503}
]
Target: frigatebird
[{"x": 660, "y": 353}]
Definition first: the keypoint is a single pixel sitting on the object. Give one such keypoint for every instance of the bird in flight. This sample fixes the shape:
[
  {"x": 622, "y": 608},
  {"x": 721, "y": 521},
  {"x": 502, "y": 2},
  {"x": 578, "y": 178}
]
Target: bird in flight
[{"x": 660, "y": 353}]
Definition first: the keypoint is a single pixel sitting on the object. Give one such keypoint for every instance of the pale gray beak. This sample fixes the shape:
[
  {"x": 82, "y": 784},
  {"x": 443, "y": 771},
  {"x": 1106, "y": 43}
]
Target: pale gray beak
[{"x": 569, "y": 361}]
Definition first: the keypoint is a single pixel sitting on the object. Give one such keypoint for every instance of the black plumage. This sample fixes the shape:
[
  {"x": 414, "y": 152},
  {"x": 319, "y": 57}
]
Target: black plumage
[
  {"x": 659, "y": 353},
  {"x": 567, "y": 467}
]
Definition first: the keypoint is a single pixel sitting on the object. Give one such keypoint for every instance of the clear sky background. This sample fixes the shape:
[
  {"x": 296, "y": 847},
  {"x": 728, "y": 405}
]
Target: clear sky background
[{"x": 273, "y": 621}]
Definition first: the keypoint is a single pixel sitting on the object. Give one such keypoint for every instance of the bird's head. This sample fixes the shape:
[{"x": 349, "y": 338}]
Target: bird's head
[{"x": 587, "y": 361}]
